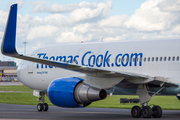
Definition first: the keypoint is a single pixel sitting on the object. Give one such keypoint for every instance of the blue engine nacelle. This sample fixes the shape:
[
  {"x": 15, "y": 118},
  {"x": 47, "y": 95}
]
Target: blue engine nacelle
[{"x": 73, "y": 92}]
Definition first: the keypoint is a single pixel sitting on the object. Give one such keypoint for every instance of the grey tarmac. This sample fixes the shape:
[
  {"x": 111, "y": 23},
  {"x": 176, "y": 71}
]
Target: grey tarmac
[{"x": 14, "y": 112}]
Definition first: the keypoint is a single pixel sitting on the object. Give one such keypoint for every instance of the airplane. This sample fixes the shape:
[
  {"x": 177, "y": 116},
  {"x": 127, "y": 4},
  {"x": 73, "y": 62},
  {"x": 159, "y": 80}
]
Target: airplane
[{"x": 75, "y": 75}]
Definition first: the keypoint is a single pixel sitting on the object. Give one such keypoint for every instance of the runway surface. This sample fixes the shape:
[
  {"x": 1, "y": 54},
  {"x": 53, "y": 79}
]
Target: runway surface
[{"x": 10, "y": 111}]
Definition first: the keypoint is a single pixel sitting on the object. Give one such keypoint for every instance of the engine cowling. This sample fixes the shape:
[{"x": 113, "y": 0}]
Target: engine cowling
[{"x": 73, "y": 92}]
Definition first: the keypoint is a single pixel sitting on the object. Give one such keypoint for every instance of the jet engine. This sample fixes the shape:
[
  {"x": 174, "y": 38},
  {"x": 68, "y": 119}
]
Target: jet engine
[{"x": 73, "y": 92}]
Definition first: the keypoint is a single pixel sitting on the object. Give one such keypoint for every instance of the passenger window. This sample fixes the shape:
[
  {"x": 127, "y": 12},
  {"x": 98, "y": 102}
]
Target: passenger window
[
  {"x": 152, "y": 58},
  {"x": 173, "y": 59},
  {"x": 126, "y": 59},
  {"x": 144, "y": 59},
  {"x": 178, "y": 58},
  {"x": 76, "y": 61},
  {"x": 148, "y": 59},
  {"x": 123, "y": 60},
  {"x": 160, "y": 58},
  {"x": 116, "y": 60},
  {"x": 164, "y": 58},
  {"x": 130, "y": 59},
  {"x": 156, "y": 58},
  {"x": 140, "y": 59},
  {"x": 119, "y": 59},
  {"x": 169, "y": 59}
]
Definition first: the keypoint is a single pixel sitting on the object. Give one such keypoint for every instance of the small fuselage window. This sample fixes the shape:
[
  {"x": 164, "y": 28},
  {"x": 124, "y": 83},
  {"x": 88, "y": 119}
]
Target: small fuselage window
[
  {"x": 173, "y": 59},
  {"x": 178, "y": 58},
  {"x": 156, "y": 58},
  {"x": 152, "y": 58},
  {"x": 169, "y": 58},
  {"x": 144, "y": 59},
  {"x": 164, "y": 58}
]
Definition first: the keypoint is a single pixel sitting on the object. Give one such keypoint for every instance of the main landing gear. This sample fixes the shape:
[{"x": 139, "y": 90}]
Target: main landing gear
[
  {"x": 146, "y": 111},
  {"x": 42, "y": 106}
]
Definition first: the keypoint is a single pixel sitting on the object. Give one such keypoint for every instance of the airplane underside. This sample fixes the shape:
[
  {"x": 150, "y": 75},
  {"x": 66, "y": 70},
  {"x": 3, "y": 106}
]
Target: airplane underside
[{"x": 127, "y": 88}]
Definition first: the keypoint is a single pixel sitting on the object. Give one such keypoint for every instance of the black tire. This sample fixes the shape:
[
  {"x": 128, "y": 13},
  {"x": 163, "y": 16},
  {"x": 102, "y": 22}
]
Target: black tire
[
  {"x": 157, "y": 112},
  {"x": 45, "y": 107},
  {"x": 146, "y": 112},
  {"x": 40, "y": 107},
  {"x": 136, "y": 112}
]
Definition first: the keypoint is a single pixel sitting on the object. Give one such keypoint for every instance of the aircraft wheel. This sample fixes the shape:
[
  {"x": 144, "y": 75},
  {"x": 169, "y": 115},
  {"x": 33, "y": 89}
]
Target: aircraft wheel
[
  {"x": 136, "y": 112},
  {"x": 40, "y": 107},
  {"x": 45, "y": 107},
  {"x": 157, "y": 112},
  {"x": 146, "y": 112}
]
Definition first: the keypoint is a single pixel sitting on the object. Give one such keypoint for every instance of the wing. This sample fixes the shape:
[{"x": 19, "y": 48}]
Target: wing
[{"x": 8, "y": 48}]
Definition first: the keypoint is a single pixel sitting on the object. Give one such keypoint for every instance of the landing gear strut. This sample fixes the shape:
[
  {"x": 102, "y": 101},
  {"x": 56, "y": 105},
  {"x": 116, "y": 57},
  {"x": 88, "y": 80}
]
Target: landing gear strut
[
  {"x": 42, "y": 106},
  {"x": 145, "y": 111}
]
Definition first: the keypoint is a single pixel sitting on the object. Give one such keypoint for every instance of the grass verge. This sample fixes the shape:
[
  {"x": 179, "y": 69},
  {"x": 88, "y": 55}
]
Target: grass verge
[
  {"x": 27, "y": 98},
  {"x": 166, "y": 102},
  {"x": 21, "y": 98},
  {"x": 14, "y": 88}
]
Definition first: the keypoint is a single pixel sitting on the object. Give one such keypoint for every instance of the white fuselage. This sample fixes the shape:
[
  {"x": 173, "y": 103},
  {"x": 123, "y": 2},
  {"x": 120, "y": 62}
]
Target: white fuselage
[{"x": 153, "y": 58}]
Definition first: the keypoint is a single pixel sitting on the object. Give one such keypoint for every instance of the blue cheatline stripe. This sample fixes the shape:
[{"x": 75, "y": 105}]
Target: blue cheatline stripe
[{"x": 8, "y": 44}]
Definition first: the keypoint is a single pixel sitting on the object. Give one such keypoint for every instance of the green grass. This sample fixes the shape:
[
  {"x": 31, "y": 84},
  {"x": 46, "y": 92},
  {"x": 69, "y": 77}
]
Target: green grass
[
  {"x": 14, "y": 88},
  {"x": 166, "y": 102},
  {"x": 21, "y": 98},
  {"x": 27, "y": 98}
]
